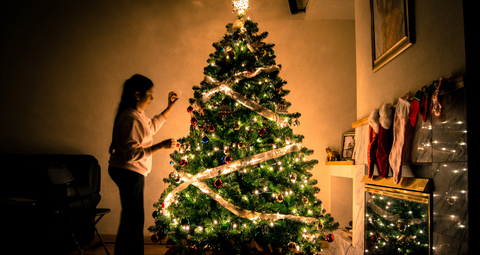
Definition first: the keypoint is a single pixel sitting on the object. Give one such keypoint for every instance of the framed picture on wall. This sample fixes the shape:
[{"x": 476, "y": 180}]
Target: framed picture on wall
[
  {"x": 348, "y": 145},
  {"x": 392, "y": 29}
]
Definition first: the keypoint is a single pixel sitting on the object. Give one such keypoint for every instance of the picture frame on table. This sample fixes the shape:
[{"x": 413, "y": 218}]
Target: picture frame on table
[
  {"x": 392, "y": 30},
  {"x": 348, "y": 146}
]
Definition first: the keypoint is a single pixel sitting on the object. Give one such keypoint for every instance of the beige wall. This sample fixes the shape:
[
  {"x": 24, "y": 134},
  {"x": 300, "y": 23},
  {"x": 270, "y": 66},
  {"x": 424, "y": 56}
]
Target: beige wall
[
  {"x": 63, "y": 65},
  {"x": 439, "y": 51}
]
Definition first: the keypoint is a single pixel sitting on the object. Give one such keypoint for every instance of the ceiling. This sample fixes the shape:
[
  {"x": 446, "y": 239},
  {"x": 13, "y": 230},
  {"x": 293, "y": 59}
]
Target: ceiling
[{"x": 315, "y": 9}]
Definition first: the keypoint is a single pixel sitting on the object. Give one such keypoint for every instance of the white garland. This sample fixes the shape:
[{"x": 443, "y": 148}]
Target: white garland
[
  {"x": 197, "y": 180},
  {"x": 224, "y": 87}
]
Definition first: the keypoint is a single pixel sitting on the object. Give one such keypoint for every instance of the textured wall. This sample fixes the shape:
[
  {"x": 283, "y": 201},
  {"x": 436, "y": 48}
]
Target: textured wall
[
  {"x": 64, "y": 62},
  {"x": 439, "y": 51}
]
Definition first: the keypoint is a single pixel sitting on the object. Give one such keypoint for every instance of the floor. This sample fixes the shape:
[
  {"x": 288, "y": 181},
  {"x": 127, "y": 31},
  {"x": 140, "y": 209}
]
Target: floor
[{"x": 150, "y": 249}]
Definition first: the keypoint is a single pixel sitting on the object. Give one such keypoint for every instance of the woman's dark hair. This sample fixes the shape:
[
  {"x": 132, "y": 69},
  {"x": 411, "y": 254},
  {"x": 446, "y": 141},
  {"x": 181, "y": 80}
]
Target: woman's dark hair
[{"x": 137, "y": 83}]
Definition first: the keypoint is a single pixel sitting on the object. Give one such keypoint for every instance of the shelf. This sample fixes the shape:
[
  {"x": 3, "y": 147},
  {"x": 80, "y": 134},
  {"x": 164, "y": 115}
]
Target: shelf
[{"x": 340, "y": 163}]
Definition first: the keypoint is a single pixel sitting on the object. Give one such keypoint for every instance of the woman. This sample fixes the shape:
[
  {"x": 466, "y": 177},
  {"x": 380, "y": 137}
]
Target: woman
[{"x": 131, "y": 157}]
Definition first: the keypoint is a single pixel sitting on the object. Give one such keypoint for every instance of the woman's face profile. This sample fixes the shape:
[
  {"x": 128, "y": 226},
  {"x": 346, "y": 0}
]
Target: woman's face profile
[{"x": 143, "y": 101}]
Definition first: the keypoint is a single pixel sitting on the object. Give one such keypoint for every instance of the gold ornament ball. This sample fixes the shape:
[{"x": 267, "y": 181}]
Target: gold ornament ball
[
  {"x": 292, "y": 246},
  {"x": 296, "y": 123},
  {"x": 293, "y": 177},
  {"x": 280, "y": 198},
  {"x": 241, "y": 145},
  {"x": 319, "y": 226}
]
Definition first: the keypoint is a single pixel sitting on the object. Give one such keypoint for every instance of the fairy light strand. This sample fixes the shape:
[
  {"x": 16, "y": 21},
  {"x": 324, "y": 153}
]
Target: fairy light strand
[{"x": 240, "y": 6}]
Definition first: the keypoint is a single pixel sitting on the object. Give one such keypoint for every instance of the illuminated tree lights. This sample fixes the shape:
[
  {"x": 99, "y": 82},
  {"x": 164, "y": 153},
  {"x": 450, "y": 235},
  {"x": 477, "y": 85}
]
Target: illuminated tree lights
[
  {"x": 395, "y": 225},
  {"x": 242, "y": 174}
]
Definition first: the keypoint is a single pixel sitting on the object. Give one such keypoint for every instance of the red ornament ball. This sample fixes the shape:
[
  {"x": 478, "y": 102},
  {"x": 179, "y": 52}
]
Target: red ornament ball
[
  {"x": 193, "y": 121},
  {"x": 183, "y": 162},
  {"x": 211, "y": 128},
  {"x": 155, "y": 238},
  {"x": 228, "y": 159},
  {"x": 262, "y": 132},
  {"x": 218, "y": 183},
  {"x": 190, "y": 109},
  {"x": 329, "y": 238}
]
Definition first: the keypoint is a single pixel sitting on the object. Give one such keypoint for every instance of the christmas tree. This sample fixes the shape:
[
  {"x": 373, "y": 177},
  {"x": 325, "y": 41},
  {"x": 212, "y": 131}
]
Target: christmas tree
[
  {"x": 242, "y": 174},
  {"x": 396, "y": 226}
]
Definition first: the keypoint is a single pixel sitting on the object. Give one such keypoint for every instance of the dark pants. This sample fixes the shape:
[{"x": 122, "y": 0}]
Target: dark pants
[{"x": 130, "y": 232}]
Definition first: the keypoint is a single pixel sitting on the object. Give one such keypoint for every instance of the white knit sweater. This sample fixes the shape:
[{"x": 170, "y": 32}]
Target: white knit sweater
[{"x": 133, "y": 136}]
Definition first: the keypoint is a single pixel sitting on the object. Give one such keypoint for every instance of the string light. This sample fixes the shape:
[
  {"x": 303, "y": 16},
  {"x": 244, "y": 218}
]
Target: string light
[{"x": 240, "y": 6}]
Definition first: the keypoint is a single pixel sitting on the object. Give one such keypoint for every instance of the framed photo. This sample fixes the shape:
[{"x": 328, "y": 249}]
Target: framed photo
[
  {"x": 348, "y": 145},
  {"x": 392, "y": 29}
]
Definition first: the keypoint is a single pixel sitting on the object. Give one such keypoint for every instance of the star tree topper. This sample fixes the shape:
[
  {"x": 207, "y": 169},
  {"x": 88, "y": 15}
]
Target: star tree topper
[{"x": 240, "y": 6}]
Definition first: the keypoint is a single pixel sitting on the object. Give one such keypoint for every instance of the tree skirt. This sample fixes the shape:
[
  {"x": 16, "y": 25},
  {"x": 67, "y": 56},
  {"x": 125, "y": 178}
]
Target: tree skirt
[{"x": 171, "y": 251}]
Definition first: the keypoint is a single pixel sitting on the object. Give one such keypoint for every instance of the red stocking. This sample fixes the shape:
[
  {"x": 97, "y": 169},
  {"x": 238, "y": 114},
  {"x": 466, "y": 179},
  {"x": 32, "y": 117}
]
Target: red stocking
[
  {"x": 384, "y": 139},
  {"x": 372, "y": 141},
  {"x": 417, "y": 106},
  {"x": 372, "y": 150},
  {"x": 423, "y": 110}
]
